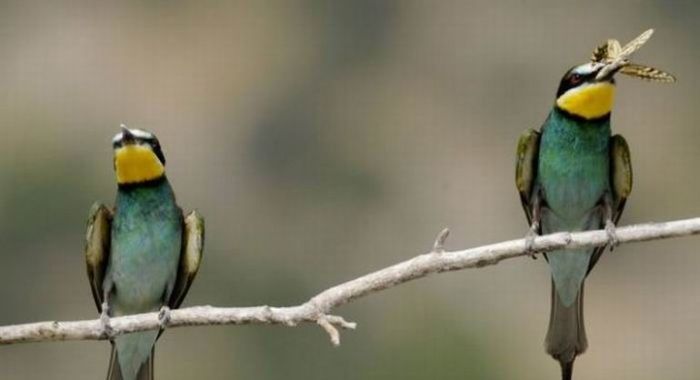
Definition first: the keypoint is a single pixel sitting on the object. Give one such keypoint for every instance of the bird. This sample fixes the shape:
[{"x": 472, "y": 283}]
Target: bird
[
  {"x": 143, "y": 254},
  {"x": 573, "y": 174}
]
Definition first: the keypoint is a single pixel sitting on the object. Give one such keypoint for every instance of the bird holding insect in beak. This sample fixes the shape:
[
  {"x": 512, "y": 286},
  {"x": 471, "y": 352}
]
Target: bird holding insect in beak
[
  {"x": 574, "y": 175},
  {"x": 143, "y": 255}
]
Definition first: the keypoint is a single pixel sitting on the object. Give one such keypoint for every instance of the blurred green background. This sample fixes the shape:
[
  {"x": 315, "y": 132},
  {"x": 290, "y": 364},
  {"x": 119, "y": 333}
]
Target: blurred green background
[{"x": 323, "y": 140}]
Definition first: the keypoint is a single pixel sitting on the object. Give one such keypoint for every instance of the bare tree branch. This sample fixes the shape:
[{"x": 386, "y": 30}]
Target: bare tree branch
[{"x": 317, "y": 309}]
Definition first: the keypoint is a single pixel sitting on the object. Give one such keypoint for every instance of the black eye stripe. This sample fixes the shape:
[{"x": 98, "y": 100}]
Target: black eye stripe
[{"x": 573, "y": 79}]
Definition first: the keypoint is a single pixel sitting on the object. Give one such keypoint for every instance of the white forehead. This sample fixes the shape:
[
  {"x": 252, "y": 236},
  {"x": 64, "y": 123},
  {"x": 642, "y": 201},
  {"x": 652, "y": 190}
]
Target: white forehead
[
  {"x": 138, "y": 133},
  {"x": 587, "y": 68}
]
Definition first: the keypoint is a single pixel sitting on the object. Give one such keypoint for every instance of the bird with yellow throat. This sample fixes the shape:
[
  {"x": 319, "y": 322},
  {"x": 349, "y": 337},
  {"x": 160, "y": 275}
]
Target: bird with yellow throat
[
  {"x": 574, "y": 175},
  {"x": 143, "y": 254}
]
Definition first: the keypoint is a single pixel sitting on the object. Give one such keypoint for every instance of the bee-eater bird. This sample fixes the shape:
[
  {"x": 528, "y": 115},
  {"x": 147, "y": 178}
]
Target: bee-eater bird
[
  {"x": 573, "y": 175},
  {"x": 143, "y": 255}
]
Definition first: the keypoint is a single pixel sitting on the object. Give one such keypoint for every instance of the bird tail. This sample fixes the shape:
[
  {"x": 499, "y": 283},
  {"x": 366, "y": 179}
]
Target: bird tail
[
  {"x": 114, "y": 371},
  {"x": 566, "y": 336},
  {"x": 567, "y": 370}
]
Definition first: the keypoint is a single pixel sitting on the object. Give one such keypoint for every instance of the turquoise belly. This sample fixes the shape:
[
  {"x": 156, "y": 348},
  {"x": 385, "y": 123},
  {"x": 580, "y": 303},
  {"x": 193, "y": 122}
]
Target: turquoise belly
[
  {"x": 573, "y": 176},
  {"x": 146, "y": 240},
  {"x": 575, "y": 184},
  {"x": 144, "y": 263}
]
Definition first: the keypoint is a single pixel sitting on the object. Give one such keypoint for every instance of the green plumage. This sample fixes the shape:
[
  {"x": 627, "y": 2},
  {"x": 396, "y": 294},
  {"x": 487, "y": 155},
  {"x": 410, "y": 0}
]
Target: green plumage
[
  {"x": 572, "y": 175},
  {"x": 146, "y": 243},
  {"x": 141, "y": 257}
]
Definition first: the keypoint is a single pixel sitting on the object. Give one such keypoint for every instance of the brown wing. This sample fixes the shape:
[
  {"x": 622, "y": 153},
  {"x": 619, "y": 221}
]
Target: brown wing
[
  {"x": 620, "y": 173},
  {"x": 97, "y": 245},
  {"x": 620, "y": 182},
  {"x": 190, "y": 257},
  {"x": 647, "y": 73},
  {"x": 526, "y": 168}
]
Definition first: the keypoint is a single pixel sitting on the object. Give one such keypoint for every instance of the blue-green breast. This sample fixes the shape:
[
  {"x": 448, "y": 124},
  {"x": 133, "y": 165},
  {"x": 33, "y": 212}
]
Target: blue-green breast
[
  {"x": 574, "y": 164},
  {"x": 573, "y": 175},
  {"x": 146, "y": 240}
]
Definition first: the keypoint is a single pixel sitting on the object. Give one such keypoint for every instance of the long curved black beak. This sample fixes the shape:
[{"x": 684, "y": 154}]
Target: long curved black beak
[{"x": 607, "y": 72}]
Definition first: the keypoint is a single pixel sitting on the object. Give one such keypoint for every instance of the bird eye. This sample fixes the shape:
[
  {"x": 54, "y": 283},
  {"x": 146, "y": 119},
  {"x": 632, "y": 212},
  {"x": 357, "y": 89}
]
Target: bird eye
[{"x": 576, "y": 78}]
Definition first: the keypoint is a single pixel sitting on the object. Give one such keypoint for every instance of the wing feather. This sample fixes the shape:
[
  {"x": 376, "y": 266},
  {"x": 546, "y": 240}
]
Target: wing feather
[
  {"x": 97, "y": 247},
  {"x": 190, "y": 257},
  {"x": 620, "y": 182},
  {"x": 621, "y": 174},
  {"x": 526, "y": 168}
]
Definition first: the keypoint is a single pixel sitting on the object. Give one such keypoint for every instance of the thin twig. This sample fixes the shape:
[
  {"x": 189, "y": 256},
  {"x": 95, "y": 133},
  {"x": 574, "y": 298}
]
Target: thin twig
[
  {"x": 317, "y": 309},
  {"x": 439, "y": 245}
]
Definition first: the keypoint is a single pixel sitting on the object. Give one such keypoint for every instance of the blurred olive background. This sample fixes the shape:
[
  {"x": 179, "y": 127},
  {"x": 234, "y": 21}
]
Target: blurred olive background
[{"x": 323, "y": 140}]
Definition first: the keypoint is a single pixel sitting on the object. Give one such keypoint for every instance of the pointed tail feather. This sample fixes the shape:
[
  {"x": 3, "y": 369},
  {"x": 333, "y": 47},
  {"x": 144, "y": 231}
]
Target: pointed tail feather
[
  {"x": 567, "y": 370},
  {"x": 566, "y": 336},
  {"x": 114, "y": 371},
  {"x": 146, "y": 371}
]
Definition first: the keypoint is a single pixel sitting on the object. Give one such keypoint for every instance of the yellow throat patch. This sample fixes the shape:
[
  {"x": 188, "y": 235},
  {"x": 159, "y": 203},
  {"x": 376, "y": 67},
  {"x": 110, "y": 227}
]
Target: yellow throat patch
[
  {"x": 136, "y": 163},
  {"x": 589, "y": 101}
]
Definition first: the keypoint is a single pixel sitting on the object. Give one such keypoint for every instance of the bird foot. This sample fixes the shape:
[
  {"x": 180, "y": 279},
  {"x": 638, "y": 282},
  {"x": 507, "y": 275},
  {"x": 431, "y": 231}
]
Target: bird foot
[
  {"x": 611, "y": 230},
  {"x": 530, "y": 240},
  {"x": 105, "y": 321},
  {"x": 164, "y": 317}
]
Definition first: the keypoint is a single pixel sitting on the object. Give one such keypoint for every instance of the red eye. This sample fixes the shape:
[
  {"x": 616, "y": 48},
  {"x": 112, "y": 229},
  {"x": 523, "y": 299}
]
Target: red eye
[{"x": 576, "y": 78}]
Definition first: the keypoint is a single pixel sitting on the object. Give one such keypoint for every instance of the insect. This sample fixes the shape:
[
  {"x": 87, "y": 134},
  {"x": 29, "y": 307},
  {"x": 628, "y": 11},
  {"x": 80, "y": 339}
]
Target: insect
[{"x": 615, "y": 56}]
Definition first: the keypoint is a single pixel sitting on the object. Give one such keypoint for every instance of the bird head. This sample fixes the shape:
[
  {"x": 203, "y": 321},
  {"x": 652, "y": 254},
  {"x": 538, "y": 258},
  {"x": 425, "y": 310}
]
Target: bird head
[
  {"x": 137, "y": 156},
  {"x": 588, "y": 90},
  {"x": 581, "y": 93}
]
